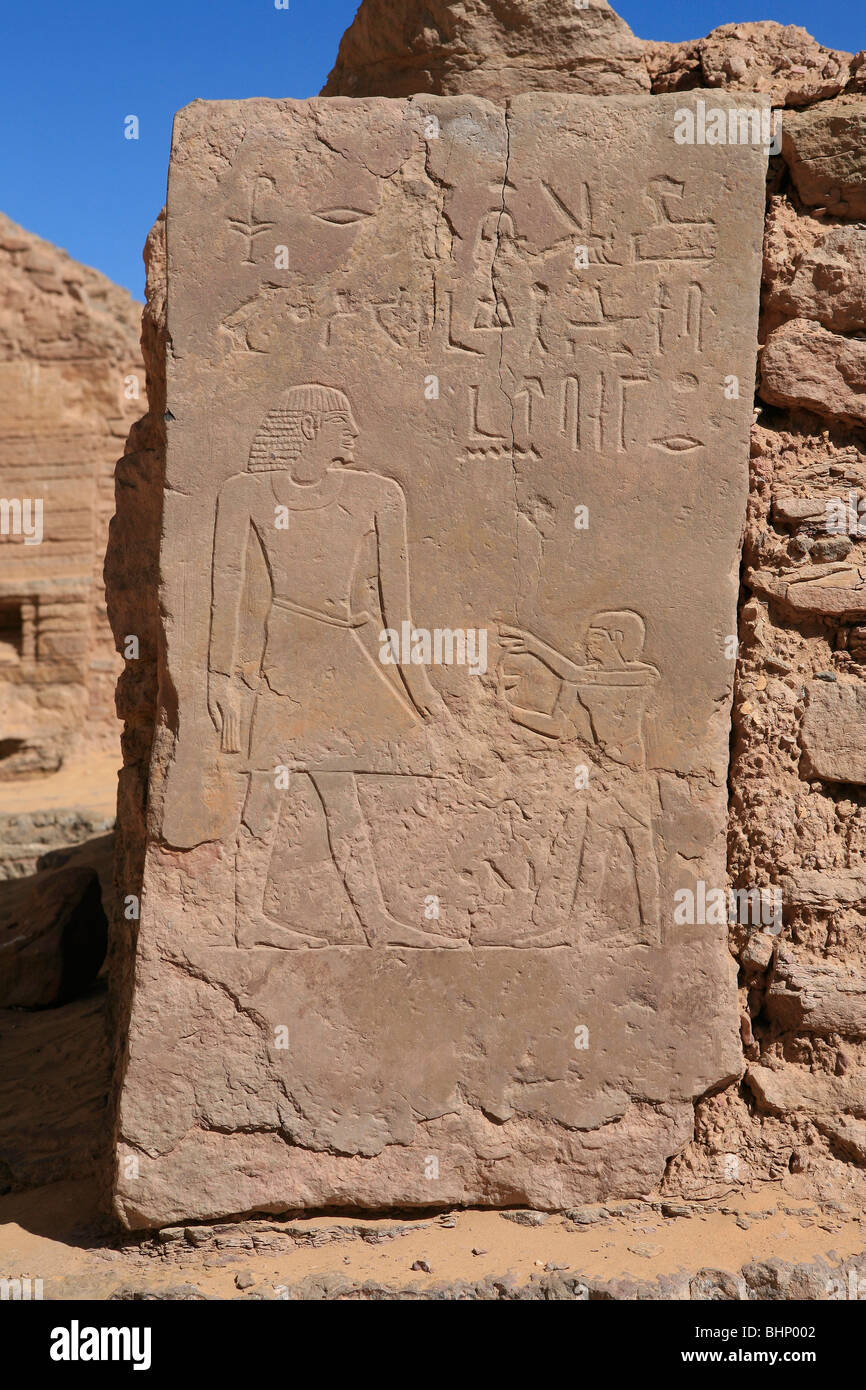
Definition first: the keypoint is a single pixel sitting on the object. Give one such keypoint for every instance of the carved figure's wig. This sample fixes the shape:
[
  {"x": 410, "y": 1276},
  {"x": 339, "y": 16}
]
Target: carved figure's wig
[
  {"x": 280, "y": 439},
  {"x": 627, "y": 629}
]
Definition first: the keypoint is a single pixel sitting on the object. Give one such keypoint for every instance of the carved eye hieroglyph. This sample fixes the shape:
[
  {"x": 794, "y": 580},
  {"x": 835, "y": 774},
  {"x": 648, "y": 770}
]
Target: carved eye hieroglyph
[
  {"x": 341, "y": 217},
  {"x": 678, "y": 444}
]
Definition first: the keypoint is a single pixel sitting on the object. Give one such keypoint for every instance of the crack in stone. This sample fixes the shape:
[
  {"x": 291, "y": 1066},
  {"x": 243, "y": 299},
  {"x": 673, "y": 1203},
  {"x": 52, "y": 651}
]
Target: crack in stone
[{"x": 503, "y": 211}]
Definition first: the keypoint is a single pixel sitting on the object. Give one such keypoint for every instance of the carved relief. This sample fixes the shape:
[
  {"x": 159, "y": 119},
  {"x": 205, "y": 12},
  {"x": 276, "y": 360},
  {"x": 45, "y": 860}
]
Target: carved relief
[
  {"x": 673, "y": 234},
  {"x": 253, "y": 226},
  {"x": 325, "y": 710},
  {"x": 324, "y": 706},
  {"x": 606, "y": 249},
  {"x": 600, "y": 704},
  {"x": 259, "y": 321}
]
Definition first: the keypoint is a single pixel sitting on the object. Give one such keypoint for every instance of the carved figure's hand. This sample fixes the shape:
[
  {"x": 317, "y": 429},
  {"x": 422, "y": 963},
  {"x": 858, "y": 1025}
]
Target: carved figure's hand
[
  {"x": 222, "y": 703},
  {"x": 517, "y": 642}
]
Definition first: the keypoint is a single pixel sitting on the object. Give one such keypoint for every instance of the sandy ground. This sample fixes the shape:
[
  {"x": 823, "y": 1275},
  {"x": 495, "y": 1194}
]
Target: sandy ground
[
  {"x": 47, "y": 1234},
  {"x": 86, "y": 783},
  {"x": 54, "y": 1233}
]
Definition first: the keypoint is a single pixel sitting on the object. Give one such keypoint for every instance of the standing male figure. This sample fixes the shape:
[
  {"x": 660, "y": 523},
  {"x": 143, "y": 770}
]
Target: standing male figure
[{"x": 325, "y": 706}]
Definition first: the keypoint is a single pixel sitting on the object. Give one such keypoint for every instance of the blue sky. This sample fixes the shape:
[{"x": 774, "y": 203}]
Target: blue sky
[{"x": 74, "y": 69}]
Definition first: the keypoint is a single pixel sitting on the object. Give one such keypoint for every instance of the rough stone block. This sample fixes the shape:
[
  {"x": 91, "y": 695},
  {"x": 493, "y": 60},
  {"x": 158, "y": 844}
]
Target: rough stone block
[
  {"x": 817, "y": 999},
  {"x": 494, "y": 51},
  {"x": 814, "y": 271},
  {"x": 833, "y": 735},
  {"x": 825, "y": 889},
  {"x": 826, "y": 152},
  {"x": 795, "y": 1091},
  {"x": 806, "y": 367}
]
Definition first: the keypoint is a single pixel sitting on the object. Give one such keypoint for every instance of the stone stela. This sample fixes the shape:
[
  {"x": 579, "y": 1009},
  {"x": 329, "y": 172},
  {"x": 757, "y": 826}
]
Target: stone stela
[{"x": 407, "y": 929}]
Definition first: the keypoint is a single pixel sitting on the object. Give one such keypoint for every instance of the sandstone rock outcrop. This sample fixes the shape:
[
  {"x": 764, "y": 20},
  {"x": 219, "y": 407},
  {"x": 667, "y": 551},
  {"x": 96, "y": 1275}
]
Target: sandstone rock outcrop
[
  {"x": 780, "y": 60},
  {"x": 795, "y": 1091},
  {"x": 797, "y": 809},
  {"x": 70, "y": 378},
  {"x": 817, "y": 999},
  {"x": 489, "y": 48},
  {"x": 828, "y": 889},
  {"x": 500, "y": 48},
  {"x": 814, "y": 269}
]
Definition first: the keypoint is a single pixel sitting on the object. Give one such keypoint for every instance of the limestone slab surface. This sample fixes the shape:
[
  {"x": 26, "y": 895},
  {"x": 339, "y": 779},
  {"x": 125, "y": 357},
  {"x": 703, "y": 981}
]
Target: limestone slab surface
[{"x": 458, "y": 411}]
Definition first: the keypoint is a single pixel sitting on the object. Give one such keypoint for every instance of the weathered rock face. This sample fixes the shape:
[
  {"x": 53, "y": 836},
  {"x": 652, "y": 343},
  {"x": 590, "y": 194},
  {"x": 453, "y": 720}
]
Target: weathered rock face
[
  {"x": 70, "y": 370},
  {"x": 489, "y": 48},
  {"x": 817, "y": 999},
  {"x": 452, "y": 373},
  {"x": 825, "y": 150},
  {"x": 780, "y": 60},
  {"x": 499, "y": 48},
  {"x": 804, "y": 366},
  {"x": 814, "y": 269}
]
